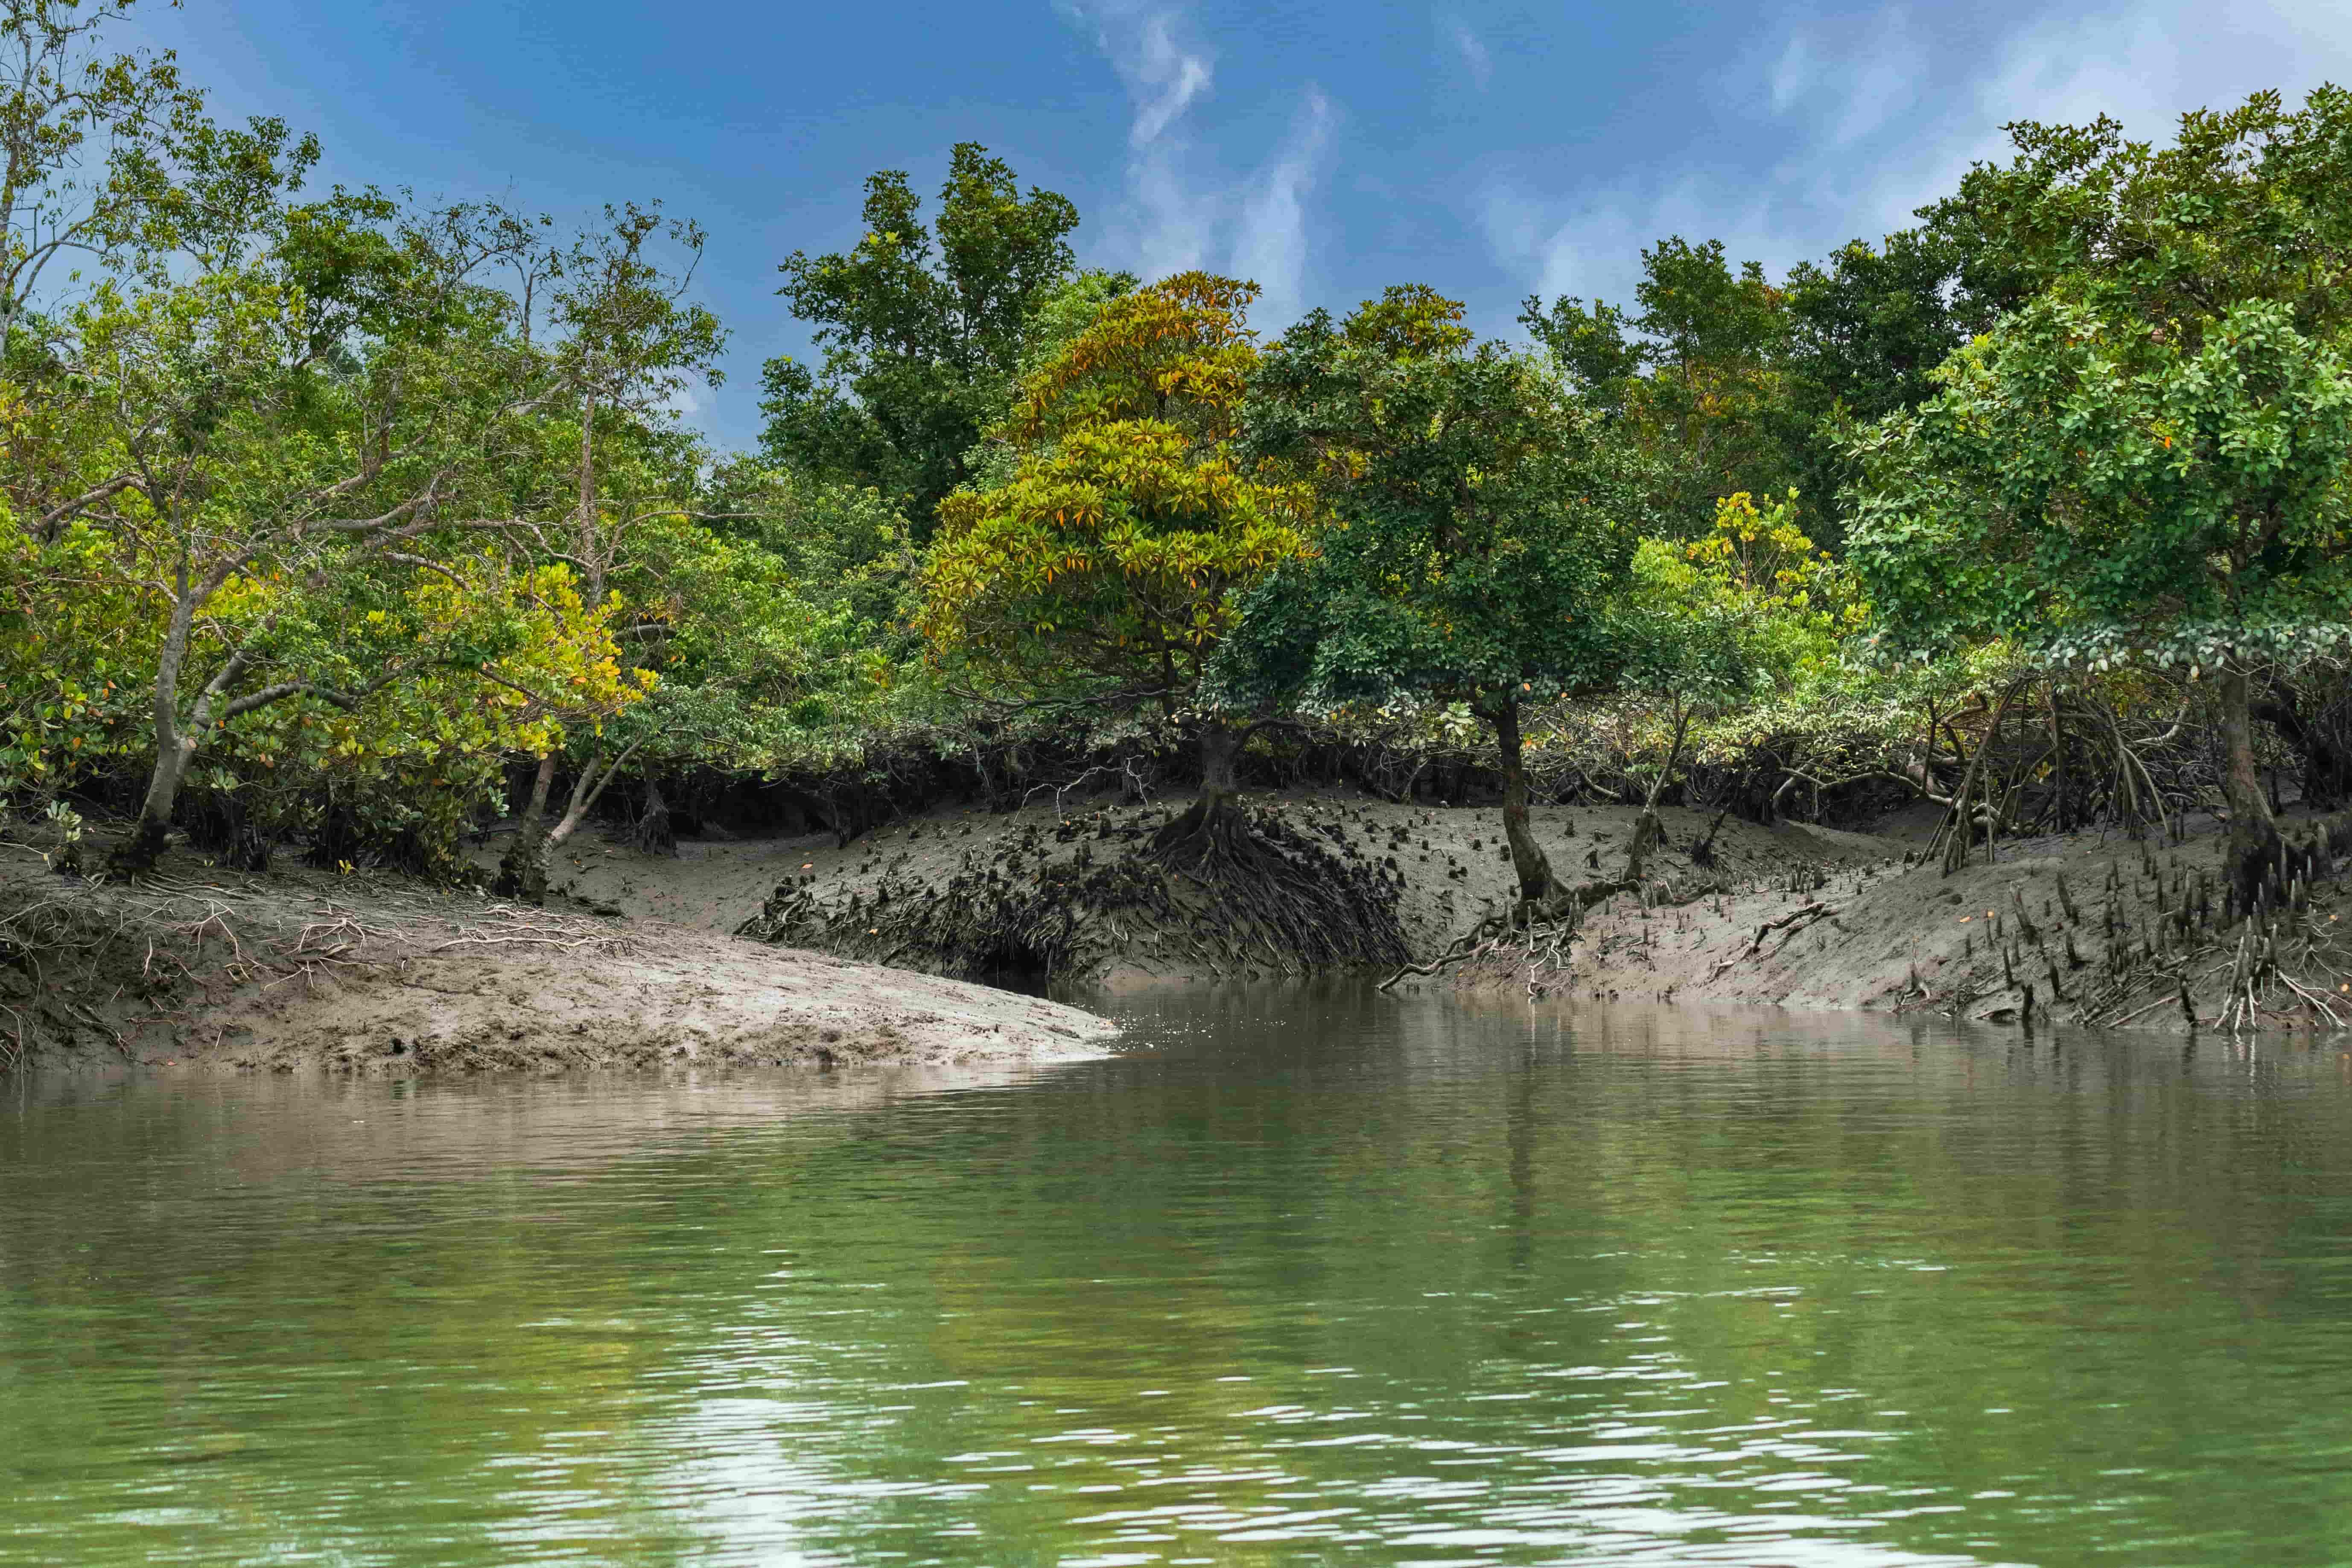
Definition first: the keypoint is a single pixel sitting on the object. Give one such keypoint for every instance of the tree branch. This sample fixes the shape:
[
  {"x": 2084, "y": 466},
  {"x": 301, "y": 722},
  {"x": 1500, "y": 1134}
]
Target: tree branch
[{"x": 55, "y": 515}]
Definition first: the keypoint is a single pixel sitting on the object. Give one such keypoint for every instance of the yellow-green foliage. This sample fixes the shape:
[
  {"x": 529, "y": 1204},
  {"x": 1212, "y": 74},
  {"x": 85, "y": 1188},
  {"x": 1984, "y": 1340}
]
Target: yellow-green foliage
[
  {"x": 1796, "y": 614},
  {"x": 1796, "y": 608},
  {"x": 1115, "y": 551},
  {"x": 75, "y": 658},
  {"x": 506, "y": 656}
]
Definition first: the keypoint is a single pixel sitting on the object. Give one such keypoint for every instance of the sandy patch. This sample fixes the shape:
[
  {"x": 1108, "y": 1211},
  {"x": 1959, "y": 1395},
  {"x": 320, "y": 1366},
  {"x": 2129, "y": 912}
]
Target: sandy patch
[{"x": 371, "y": 974}]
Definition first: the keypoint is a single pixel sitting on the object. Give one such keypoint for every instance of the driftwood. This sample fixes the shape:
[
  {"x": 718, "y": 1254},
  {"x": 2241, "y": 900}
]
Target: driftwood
[{"x": 1812, "y": 912}]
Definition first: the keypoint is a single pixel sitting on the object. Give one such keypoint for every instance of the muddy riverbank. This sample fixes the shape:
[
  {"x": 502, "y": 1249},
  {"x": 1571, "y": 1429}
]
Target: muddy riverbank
[
  {"x": 2086, "y": 928},
  {"x": 2089, "y": 928},
  {"x": 199, "y": 967},
  {"x": 635, "y": 965},
  {"x": 1059, "y": 879}
]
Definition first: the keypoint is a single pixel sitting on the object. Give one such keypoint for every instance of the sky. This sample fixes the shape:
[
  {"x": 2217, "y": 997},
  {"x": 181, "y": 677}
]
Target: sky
[{"x": 1323, "y": 149}]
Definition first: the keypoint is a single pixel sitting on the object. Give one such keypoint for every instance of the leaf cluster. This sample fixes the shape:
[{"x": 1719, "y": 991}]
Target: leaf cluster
[
  {"x": 1114, "y": 552},
  {"x": 923, "y": 329}
]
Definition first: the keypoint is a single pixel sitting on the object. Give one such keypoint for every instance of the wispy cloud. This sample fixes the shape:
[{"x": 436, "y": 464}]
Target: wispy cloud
[
  {"x": 1272, "y": 246},
  {"x": 1798, "y": 70},
  {"x": 1867, "y": 125},
  {"x": 1852, "y": 92},
  {"x": 1165, "y": 78},
  {"x": 1589, "y": 245},
  {"x": 1472, "y": 49},
  {"x": 1182, "y": 210}
]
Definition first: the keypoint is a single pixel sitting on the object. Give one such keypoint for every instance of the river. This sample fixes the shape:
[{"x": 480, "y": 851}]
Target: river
[{"x": 1300, "y": 1275}]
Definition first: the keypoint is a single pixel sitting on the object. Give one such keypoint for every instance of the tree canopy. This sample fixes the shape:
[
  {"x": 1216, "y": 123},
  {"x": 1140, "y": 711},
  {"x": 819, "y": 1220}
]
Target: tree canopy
[
  {"x": 1111, "y": 556},
  {"x": 1471, "y": 551},
  {"x": 923, "y": 329},
  {"x": 333, "y": 516},
  {"x": 2149, "y": 460}
]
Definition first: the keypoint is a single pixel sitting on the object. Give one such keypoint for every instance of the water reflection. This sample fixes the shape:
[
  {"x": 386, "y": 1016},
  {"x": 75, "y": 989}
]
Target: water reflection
[{"x": 1316, "y": 1275}]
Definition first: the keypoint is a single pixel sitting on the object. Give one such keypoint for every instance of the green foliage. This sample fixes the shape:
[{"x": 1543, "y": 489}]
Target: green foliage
[
  {"x": 1471, "y": 546},
  {"x": 1726, "y": 381},
  {"x": 1692, "y": 381},
  {"x": 344, "y": 504},
  {"x": 2149, "y": 461},
  {"x": 74, "y": 663},
  {"x": 629, "y": 338},
  {"x": 2100, "y": 493},
  {"x": 770, "y": 608},
  {"x": 1066, "y": 311},
  {"x": 924, "y": 331},
  {"x": 1866, "y": 332},
  {"x": 1791, "y": 606},
  {"x": 2249, "y": 202},
  {"x": 1113, "y": 555},
  {"x": 2149, "y": 458},
  {"x": 82, "y": 134}
]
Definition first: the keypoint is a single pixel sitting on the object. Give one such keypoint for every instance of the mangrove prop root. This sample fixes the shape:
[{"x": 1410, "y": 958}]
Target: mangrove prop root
[
  {"x": 1538, "y": 932},
  {"x": 1812, "y": 911},
  {"x": 2171, "y": 935},
  {"x": 1233, "y": 890}
]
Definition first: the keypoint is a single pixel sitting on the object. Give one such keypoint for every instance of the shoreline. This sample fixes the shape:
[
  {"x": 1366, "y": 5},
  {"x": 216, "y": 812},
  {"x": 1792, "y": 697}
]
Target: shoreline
[
  {"x": 635, "y": 965},
  {"x": 199, "y": 968},
  {"x": 1792, "y": 915},
  {"x": 2086, "y": 930}
]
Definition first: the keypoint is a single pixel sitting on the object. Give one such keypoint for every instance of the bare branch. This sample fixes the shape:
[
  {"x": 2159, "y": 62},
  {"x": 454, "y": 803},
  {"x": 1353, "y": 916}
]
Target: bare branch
[{"x": 55, "y": 515}]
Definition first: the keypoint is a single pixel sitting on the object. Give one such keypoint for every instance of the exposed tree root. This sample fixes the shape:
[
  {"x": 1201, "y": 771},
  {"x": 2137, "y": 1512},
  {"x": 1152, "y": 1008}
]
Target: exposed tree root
[
  {"x": 1539, "y": 932},
  {"x": 1804, "y": 916},
  {"x": 2172, "y": 938},
  {"x": 1231, "y": 890}
]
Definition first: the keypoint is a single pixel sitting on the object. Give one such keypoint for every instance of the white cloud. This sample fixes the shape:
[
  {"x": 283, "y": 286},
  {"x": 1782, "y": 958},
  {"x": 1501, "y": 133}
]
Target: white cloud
[
  {"x": 1272, "y": 242},
  {"x": 1165, "y": 78},
  {"x": 1866, "y": 133},
  {"x": 1590, "y": 247},
  {"x": 2148, "y": 63},
  {"x": 1796, "y": 74},
  {"x": 1181, "y": 212},
  {"x": 1865, "y": 127},
  {"x": 1856, "y": 91},
  {"x": 1473, "y": 50}
]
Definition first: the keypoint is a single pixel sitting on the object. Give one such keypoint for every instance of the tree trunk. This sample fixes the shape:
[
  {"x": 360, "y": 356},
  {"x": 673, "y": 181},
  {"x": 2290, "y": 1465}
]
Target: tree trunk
[
  {"x": 1649, "y": 832},
  {"x": 1528, "y": 858},
  {"x": 2327, "y": 771},
  {"x": 1211, "y": 812},
  {"x": 2253, "y": 834},
  {"x": 140, "y": 851},
  {"x": 1962, "y": 828},
  {"x": 522, "y": 869},
  {"x": 587, "y": 791},
  {"x": 153, "y": 831},
  {"x": 655, "y": 834},
  {"x": 1220, "y": 755}
]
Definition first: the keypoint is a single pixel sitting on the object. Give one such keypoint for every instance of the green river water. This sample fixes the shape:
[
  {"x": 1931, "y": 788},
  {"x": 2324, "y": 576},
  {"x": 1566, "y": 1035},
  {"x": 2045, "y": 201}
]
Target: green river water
[{"x": 1300, "y": 1277}]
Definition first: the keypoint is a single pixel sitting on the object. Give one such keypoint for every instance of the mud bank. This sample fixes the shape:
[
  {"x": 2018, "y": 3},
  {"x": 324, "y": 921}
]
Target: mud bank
[
  {"x": 195, "y": 967},
  {"x": 380, "y": 976},
  {"x": 2087, "y": 929},
  {"x": 1790, "y": 915},
  {"x": 1444, "y": 867}
]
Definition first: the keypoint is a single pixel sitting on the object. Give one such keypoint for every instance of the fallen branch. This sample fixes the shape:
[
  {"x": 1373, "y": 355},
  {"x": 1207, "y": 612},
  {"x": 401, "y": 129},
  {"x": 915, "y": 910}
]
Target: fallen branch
[{"x": 1812, "y": 912}]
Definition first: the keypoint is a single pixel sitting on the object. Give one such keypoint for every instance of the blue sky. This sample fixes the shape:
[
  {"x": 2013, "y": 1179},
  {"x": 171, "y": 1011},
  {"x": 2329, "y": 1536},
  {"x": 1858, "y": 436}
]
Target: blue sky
[{"x": 1324, "y": 149}]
